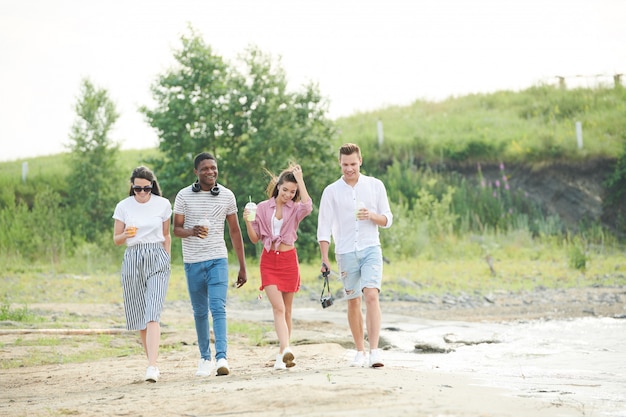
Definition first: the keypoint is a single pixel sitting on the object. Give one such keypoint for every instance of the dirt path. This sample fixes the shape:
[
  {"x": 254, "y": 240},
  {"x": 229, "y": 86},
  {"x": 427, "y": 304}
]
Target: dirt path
[{"x": 322, "y": 383}]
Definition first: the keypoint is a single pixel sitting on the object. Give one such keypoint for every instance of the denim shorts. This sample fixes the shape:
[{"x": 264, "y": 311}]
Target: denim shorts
[{"x": 361, "y": 269}]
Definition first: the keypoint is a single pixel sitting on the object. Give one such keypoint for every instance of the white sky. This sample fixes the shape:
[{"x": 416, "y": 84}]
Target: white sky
[{"x": 364, "y": 54}]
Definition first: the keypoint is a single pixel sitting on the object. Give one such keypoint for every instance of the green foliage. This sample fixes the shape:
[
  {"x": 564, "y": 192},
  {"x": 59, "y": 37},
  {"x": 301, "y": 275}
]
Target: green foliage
[
  {"x": 245, "y": 116},
  {"x": 21, "y": 314},
  {"x": 429, "y": 205},
  {"x": 94, "y": 173},
  {"x": 191, "y": 114}
]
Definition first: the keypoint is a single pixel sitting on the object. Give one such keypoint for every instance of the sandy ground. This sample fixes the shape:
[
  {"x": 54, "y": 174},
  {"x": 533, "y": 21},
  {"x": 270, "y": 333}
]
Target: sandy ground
[{"x": 321, "y": 384}]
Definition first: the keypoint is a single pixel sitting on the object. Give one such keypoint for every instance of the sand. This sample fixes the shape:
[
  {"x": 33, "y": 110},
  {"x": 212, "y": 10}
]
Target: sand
[{"x": 321, "y": 384}]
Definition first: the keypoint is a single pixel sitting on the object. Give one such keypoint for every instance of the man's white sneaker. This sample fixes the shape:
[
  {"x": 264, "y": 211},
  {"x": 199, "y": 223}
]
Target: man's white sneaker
[
  {"x": 375, "y": 359},
  {"x": 279, "y": 364},
  {"x": 205, "y": 367},
  {"x": 288, "y": 358},
  {"x": 222, "y": 367},
  {"x": 359, "y": 360},
  {"x": 152, "y": 374}
]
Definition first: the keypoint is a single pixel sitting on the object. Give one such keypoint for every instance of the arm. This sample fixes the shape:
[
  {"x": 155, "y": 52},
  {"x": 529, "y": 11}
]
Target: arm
[
  {"x": 254, "y": 238},
  {"x": 119, "y": 233},
  {"x": 384, "y": 218},
  {"x": 378, "y": 219},
  {"x": 324, "y": 246},
  {"x": 304, "y": 194},
  {"x": 179, "y": 229},
  {"x": 324, "y": 229},
  {"x": 167, "y": 243},
  {"x": 237, "y": 241}
]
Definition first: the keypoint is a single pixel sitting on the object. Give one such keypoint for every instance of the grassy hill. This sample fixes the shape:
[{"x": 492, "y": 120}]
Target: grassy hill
[{"x": 536, "y": 125}]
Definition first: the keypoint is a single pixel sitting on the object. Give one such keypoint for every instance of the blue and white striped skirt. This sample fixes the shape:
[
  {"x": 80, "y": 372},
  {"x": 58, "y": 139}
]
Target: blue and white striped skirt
[{"x": 145, "y": 277}]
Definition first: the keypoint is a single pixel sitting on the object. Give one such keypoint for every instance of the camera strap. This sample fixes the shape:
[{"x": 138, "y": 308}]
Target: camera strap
[{"x": 326, "y": 286}]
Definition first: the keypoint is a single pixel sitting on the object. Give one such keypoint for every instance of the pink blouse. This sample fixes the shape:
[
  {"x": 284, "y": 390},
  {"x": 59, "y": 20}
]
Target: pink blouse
[{"x": 293, "y": 213}]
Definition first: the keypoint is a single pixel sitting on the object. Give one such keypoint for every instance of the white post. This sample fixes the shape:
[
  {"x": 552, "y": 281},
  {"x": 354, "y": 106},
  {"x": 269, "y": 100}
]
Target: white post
[
  {"x": 579, "y": 134},
  {"x": 24, "y": 171},
  {"x": 380, "y": 133}
]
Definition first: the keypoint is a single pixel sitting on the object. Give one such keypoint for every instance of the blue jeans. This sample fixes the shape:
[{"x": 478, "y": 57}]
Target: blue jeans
[{"x": 207, "y": 283}]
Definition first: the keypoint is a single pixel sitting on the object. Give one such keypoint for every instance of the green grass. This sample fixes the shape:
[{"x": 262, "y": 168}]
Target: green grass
[
  {"x": 450, "y": 264},
  {"x": 530, "y": 126},
  {"x": 19, "y": 314},
  {"x": 51, "y": 350}
]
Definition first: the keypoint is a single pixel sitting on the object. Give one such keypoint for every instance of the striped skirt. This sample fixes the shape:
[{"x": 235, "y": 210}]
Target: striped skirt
[{"x": 145, "y": 277}]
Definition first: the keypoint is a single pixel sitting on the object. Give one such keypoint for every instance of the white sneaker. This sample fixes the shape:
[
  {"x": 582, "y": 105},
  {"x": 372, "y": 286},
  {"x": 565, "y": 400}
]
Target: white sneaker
[
  {"x": 222, "y": 367},
  {"x": 375, "y": 359},
  {"x": 288, "y": 358},
  {"x": 152, "y": 374},
  {"x": 279, "y": 364},
  {"x": 359, "y": 360},
  {"x": 205, "y": 367}
]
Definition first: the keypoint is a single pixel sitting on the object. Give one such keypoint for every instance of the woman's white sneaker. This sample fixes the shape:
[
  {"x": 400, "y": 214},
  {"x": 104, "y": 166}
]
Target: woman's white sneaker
[
  {"x": 279, "y": 364},
  {"x": 288, "y": 358},
  {"x": 359, "y": 360},
  {"x": 152, "y": 374}
]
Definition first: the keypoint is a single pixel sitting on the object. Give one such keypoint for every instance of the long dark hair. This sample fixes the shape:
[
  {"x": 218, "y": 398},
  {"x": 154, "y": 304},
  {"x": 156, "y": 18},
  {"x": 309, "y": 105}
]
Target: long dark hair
[{"x": 146, "y": 174}]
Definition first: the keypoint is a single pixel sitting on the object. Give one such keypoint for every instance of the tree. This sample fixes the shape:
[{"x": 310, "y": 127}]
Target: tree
[
  {"x": 190, "y": 115},
  {"x": 94, "y": 177},
  {"x": 247, "y": 118}
]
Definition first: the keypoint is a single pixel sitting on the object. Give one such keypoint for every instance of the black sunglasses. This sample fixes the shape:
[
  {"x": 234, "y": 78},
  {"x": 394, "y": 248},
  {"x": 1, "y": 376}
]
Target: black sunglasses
[{"x": 145, "y": 189}]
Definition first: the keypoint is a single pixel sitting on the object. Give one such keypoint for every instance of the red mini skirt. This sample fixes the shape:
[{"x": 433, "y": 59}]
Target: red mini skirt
[{"x": 281, "y": 269}]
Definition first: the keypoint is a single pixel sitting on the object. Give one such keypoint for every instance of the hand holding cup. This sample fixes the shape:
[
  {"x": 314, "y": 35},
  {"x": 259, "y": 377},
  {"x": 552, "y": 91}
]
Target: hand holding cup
[
  {"x": 130, "y": 230},
  {"x": 249, "y": 211},
  {"x": 203, "y": 227},
  {"x": 361, "y": 211}
]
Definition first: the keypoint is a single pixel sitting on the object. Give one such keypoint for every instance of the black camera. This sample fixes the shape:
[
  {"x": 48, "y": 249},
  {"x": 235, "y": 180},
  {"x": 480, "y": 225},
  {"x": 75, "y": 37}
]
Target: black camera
[{"x": 326, "y": 300}]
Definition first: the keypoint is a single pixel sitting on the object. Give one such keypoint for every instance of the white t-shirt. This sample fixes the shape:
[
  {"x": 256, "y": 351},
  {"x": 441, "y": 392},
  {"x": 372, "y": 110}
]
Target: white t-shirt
[
  {"x": 148, "y": 217},
  {"x": 204, "y": 205},
  {"x": 337, "y": 214}
]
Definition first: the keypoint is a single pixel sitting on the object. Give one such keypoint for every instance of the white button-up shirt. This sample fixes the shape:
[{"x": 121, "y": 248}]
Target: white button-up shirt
[{"x": 337, "y": 214}]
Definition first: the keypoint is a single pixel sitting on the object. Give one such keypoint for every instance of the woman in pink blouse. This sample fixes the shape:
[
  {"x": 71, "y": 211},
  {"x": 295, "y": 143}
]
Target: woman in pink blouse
[{"x": 276, "y": 226}]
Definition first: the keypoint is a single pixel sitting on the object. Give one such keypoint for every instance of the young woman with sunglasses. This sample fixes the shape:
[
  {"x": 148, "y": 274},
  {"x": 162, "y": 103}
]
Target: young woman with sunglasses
[{"x": 142, "y": 222}]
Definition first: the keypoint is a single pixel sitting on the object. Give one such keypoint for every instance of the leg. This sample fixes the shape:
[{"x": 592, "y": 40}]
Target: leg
[
  {"x": 152, "y": 336},
  {"x": 372, "y": 316},
  {"x": 218, "y": 290},
  {"x": 371, "y": 280},
  {"x": 156, "y": 289},
  {"x": 288, "y": 300},
  {"x": 355, "y": 320},
  {"x": 349, "y": 269},
  {"x": 197, "y": 287},
  {"x": 278, "y": 309}
]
